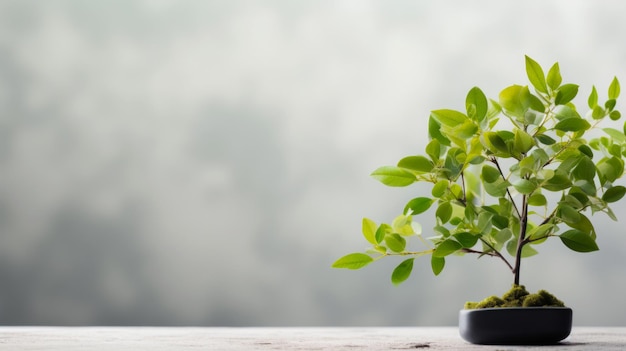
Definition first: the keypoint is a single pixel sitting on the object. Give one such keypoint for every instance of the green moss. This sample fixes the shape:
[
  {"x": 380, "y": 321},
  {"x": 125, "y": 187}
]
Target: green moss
[
  {"x": 470, "y": 305},
  {"x": 515, "y": 297},
  {"x": 518, "y": 296},
  {"x": 491, "y": 301},
  {"x": 542, "y": 298}
]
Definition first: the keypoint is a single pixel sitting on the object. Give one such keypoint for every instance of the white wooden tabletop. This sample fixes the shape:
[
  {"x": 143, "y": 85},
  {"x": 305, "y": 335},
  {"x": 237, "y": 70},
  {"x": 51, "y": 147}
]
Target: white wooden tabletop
[{"x": 330, "y": 338}]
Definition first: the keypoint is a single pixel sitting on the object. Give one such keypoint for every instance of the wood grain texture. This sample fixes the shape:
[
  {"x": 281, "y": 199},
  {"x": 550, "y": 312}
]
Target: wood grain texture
[{"x": 225, "y": 339}]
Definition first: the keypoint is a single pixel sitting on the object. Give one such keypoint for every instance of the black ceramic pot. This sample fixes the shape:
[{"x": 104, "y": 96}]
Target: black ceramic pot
[{"x": 515, "y": 325}]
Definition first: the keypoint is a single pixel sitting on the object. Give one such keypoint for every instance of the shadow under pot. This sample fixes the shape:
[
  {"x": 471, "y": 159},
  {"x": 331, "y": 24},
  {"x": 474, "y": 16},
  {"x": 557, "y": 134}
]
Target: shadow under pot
[{"x": 515, "y": 325}]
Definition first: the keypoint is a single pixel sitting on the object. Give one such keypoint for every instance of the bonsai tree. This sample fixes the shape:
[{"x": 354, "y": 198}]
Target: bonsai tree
[{"x": 506, "y": 176}]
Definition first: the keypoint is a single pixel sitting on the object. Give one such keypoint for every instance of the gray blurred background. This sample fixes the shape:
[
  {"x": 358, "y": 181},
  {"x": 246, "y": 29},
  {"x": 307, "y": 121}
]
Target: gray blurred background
[{"x": 205, "y": 162}]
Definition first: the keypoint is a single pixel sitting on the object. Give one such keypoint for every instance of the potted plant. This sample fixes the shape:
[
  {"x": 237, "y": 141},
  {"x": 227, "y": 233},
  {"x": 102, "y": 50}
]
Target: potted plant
[{"x": 506, "y": 176}]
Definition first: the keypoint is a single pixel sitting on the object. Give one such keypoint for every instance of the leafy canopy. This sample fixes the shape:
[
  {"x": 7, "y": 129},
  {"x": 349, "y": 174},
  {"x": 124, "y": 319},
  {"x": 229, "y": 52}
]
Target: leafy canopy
[{"x": 506, "y": 175}]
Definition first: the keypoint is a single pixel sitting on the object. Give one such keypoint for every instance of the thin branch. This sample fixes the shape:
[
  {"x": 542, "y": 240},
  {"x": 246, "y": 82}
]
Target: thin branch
[
  {"x": 547, "y": 219},
  {"x": 406, "y": 253},
  {"x": 464, "y": 199},
  {"x": 494, "y": 253},
  {"x": 495, "y": 161},
  {"x": 521, "y": 241}
]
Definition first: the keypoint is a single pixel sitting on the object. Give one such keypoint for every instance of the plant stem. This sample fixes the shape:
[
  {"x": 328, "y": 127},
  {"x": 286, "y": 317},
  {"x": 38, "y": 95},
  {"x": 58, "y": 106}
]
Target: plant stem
[
  {"x": 494, "y": 253},
  {"x": 521, "y": 240},
  {"x": 495, "y": 161},
  {"x": 464, "y": 199}
]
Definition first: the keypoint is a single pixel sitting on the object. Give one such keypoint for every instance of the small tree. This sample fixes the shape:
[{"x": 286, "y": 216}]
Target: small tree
[{"x": 506, "y": 176}]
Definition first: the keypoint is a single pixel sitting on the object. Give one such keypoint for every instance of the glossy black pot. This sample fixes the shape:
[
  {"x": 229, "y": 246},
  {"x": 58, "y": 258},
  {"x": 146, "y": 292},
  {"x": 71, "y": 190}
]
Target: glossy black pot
[{"x": 516, "y": 325}]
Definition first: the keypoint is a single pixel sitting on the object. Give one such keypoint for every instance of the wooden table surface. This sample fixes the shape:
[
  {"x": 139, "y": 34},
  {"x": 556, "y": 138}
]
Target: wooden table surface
[{"x": 324, "y": 338}]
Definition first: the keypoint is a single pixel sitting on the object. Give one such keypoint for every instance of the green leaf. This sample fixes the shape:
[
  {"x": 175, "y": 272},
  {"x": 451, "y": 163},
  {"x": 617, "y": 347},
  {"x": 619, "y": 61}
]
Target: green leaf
[
  {"x": 557, "y": 183},
  {"x": 456, "y": 190},
  {"x": 578, "y": 241},
  {"x": 444, "y": 212},
  {"x": 382, "y": 231},
  {"x": 494, "y": 142},
  {"x": 380, "y": 249},
  {"x": 535, "y": 75},
  {"x": 484, "y": 222},
  {"x": 554, "y": 77},
  {"x": 434, "y": 131},
  {"x": 402, "y": 271},
  {"x": 502, "y": 236},
  {"x": 610, "y": 104},
  {"x": 476, "y": 101},
  {"x": 464, "y": 131},
  {"x": 490, "y": 174},
  {"x": 497, "y": 188},
  {"x": 610, "y": 169},
  {"x": 511, "y": 247},
  {"x": 598, "y": 113},
  {"x": 527, "y": 166},
  {"x": 585, "y": 169},
  {"x": 472, "y": 185},
  {"x": 592, "y": 101},
  {"x": 566, "y": 94},
  {"x": 527, "y": 250},
  {"x": 586, "y": 187},
  {"x": 417, "y": 228},
  {"x": 450, "y": 118},
  {"x": 353, "y": 261},
  {"x": 568, "y": 214},
  {"x": 394, "y": 176},
  {"x": 615, "y": 115},
  {"x": 524, "y": 186},
  {"x": 437, "y": 264},
  {"x": 615, "y": 134},
  {"x": 418, "y": 205},
  {"x": 402, "y": 225},
  {"x": 540, "y": 231},
  {"x": 441, "y": 230},
  {"x": 544, "y": 174},
  {"x": 575, "y": 200},
  {"x": 466, "y": 239},
  {"x": 586, "y": 150},
  {"x": 614, "y": 89},
  {"x": 615, "y": 150},
  {"x": 446, "y": 248},
  {"x": 369, "y": 230},
  {"x": 400, "y": 221},
  {"x": 515, "y": 99},
  {"x": 416, "y": 163},
  {"x": 614, "y": 194},
  {"x": 493, "y": 111},
  {"x": 545, "y": 139},
  {"x": 523, "y": 142},
  {"x": 452, "y": 166},
  {"x": 533, "y": 117},
  {"x": 433, "y": 149},
  {"x": 584, "y": 225},
  {"x": 610, "y": 213},
  {"x": 439, "y": 189},
  {"x": 475, "y": 154},
  {"x": 572, "y": 125},
  {"x": 569, "y": 159},
  {"x": 395, "y": 242},
  {"x": 537, "y": 199},
  {"x": 562, "y": 112}
]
